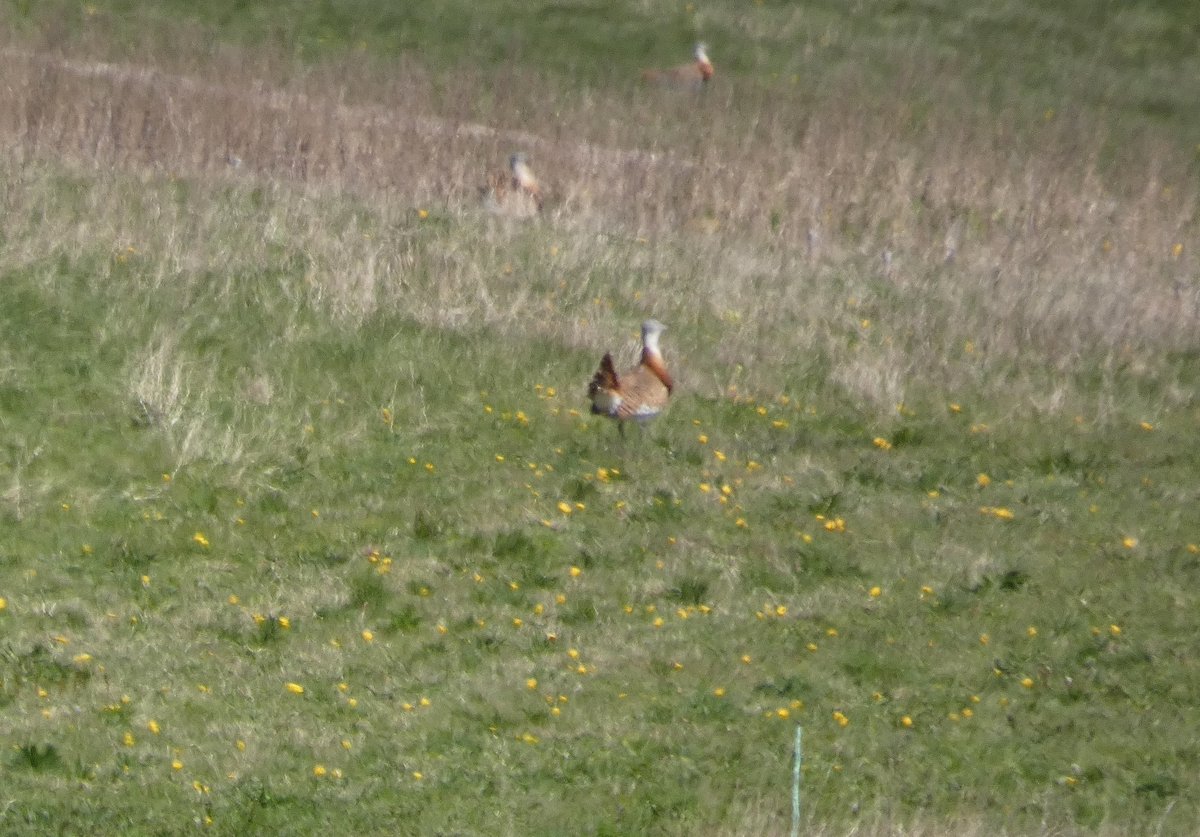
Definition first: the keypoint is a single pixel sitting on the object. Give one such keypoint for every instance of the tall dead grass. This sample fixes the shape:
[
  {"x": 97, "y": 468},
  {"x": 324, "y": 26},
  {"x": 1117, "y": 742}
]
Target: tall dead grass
[{"x": 770, "y": 219}]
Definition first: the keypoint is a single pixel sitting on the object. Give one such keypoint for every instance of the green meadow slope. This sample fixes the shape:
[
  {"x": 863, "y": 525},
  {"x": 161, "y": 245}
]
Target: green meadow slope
[{"x": 305, "y": 525}]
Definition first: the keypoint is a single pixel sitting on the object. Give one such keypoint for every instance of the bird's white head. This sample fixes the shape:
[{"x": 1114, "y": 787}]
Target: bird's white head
[
  {"x": 701, "y": 53},
  {"x": 518, "y": 160},
  {"x": 651, "y": 330}
]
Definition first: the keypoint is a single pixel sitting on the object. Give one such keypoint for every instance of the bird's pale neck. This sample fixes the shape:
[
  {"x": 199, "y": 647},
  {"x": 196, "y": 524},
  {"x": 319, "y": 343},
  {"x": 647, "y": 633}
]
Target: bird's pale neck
[{"x": 650, "y": 343}]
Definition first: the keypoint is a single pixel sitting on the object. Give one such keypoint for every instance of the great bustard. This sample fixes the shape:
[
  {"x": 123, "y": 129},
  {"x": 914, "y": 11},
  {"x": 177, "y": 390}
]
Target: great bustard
[
  {"x": 694, "y": 75},
  {"x": 640, "y": 393},
  {"x": 518, "y": 192}
]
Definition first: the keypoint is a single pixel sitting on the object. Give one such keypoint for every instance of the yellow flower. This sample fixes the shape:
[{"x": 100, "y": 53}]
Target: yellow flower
[
  {"x": 422, "y": 214},
  {"x": 702, "y": 439},
  {"x": 128, "y": 740},
  {"x": 531, "y": 683},
  {"x": 783, "y": 712},
  {"x": 1129, "y": 542},
  {"x": 576, "y": 572},
  {"x": 176, "y": 764},
  {"x": 418, "y": 775},
  {"x": 319, "y": 770},
  {"x": 719, "y": 691},
  {"x": 983, "y": 480},
  {"x": 881, "y": 443},
  {"x": 3, "y": 603},
  {"x": 1115, "y": 630},
  {"x": 82, "y": 659},
  {"x": 294, "y": 688},
  {"x": 984, "y": 639},
  {"x": 1027, "y": 682},
  {"x": 565, "y": 507},
  {"x": 876, "y": 592},
  {"x": 368, "y": 636},
  {"x": 1147, "y": 426},
  {"x": 906, "y": 722},
  {"x": 1031, "y": 632},
  {"x": 153, "y": 726},
  {"x": 200, "y": 539}
]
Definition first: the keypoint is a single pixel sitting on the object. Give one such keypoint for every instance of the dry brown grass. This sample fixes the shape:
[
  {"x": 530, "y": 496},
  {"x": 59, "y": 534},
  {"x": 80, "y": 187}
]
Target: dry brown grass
[{"x": 770, "y": 223}]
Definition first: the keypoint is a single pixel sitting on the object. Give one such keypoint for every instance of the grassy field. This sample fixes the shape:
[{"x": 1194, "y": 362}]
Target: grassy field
[{"x": 305, "y": 526}]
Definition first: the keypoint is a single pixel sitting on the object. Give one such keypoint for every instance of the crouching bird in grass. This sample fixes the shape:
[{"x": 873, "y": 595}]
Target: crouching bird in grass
[
  {"x": 642, "y": 392},
  {"x": 517, "y": 193},
  {"x": 692, "y": 76}
]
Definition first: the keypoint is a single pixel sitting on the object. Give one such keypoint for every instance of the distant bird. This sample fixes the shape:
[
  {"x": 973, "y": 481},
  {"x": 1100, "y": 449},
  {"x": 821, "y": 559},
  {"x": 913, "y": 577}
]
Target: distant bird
[
  {"x": 695, "y": 75},
  {"x": 516, "y": 193},
  {"x": 642, "y": 392}
]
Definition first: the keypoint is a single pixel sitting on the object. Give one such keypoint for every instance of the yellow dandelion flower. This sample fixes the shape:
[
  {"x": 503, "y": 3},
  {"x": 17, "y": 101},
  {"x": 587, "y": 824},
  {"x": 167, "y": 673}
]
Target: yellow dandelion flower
[
  {"x": 719, "y": 691},
  {"x": 176, "y": 764},
  {"x": 1027, "y": 682},
  {"x": 294, "y": 688},
  {"x": 367, "y": 636},
  {"x": 153, "y": 726},
  {"x": 83, "y": 658},
  {"x": 1115, "y": 630},
  {"x": 1129, "y": 542},
  {"x": 968, "y": 712},
  {"x": 319, "y": 770},
  {"x": 240, "y": 745},
  {"x": 746, "y": 659},
  {"x": 199, "y": 539},
  {"x": 1147, "y": 426},
  {"x": 906, "y": 722},
  {"x": 576, "y": 572},
  {"x": 983, "y": 480},
  {"x": 418, "y": 775},
  {"x": 517, "y": 621},
  {"x": 881, "y": 443},
  {"x": 876, "y": 592},
  {"x": 1031, "y": 632},
  {"x": 812, "y": 647},
  {"x": 128, "y": 740},
  {"x": 658, "y": 622},
  {"x": 3, "y": 603},
  {"x": 984, "y": 639},
  {"x": 531, "y": 683},
  {"x": 425, "y": 702}
]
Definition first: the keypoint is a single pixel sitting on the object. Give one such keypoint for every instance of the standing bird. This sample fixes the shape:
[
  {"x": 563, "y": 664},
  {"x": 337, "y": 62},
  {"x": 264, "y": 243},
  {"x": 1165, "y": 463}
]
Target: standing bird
[
  {"x": 694, "y": 76},
  {"x": 518, "y": 193},
  {"x": 523, "y": 180},
  {"x": 642, "y": 392}
]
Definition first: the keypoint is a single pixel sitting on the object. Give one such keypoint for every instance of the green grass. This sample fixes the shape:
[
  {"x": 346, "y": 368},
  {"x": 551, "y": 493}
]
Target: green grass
[
  {"x": 438, "y": 528},
  {"x": 262, "y": 427}
]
